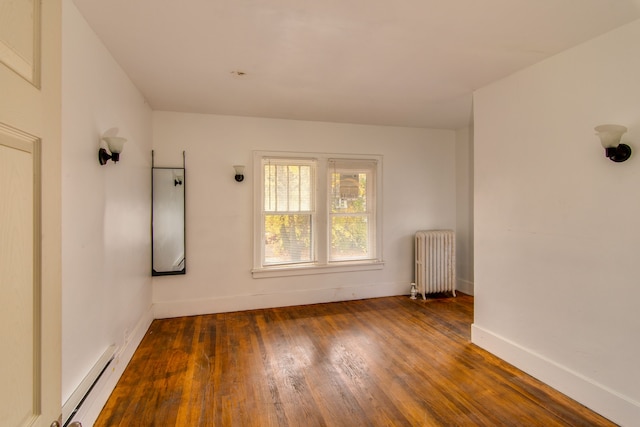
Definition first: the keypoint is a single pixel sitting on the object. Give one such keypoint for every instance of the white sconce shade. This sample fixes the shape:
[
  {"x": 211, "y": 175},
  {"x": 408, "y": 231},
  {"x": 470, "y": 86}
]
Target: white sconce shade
[
  {"x": 115, "y": 145},
  {"x": 239, "y": 172},
  {"x": 610, "y": 136}
]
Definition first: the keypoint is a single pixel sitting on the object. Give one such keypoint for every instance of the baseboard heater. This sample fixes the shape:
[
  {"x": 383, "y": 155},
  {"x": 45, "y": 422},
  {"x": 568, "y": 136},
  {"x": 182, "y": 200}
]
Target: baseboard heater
[
  {"x": 77, "y": 398},
  {"x": 435, "y": 261}
]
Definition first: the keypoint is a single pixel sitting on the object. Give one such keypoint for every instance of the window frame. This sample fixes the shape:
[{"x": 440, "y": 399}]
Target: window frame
[
  {"x": 320, "y": 234},
  {"x": 311, "y": 212},
  {"x": 351, "y": 166}
]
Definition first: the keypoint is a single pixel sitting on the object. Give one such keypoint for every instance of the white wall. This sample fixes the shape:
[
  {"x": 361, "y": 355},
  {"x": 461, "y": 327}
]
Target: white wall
[
  {"x": 418, "y": 191},
  {"x": 464, "y": 210},
  {"x": 106, "y": 209},
  {"x": 556, "y": 223}
]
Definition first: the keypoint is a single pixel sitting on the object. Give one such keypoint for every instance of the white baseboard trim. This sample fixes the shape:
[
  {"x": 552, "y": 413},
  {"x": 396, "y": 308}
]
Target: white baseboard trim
[
  {"x": 618, "y": 408},
  {"x": 90, "y": 409},
  {"x": 464, "y": 286},
  {"x": 77, "y": 397},
  {"x": 167, "y": 309}
]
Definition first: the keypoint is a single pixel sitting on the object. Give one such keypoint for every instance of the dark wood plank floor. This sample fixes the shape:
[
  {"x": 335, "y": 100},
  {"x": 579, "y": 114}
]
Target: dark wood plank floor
[{"x": 378, "y": 362}]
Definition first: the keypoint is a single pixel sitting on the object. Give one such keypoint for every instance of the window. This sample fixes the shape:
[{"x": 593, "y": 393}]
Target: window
[
  {"x": 288, "y": 211},
  {"x": 351, "y": 209},
  {"x": 316, "y": 212}
]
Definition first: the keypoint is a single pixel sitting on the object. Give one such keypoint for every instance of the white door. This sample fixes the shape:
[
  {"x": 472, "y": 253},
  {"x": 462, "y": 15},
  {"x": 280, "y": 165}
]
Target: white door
[{"x": 30, "y": 212}]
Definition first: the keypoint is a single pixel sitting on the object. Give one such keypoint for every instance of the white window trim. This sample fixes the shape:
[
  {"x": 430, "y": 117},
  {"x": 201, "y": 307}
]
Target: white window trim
[{"x": 321, "y": 266}]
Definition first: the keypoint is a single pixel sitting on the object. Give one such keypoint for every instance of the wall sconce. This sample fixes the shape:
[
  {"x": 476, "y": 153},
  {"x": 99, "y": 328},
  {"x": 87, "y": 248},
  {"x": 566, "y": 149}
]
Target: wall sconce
[
  {"x": 115, "y": 144},
  {"x": 239, "y": 172},
  {"x": 177, "y": 179},
  {"x": 610, "y": 138}
]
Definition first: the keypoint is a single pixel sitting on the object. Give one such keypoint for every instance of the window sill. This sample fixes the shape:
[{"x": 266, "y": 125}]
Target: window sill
[{"x": 302, "y": 270}]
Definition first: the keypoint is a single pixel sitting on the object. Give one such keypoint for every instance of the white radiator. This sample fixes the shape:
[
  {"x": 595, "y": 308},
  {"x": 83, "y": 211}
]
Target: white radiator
[{"x": 436, "y": 261}]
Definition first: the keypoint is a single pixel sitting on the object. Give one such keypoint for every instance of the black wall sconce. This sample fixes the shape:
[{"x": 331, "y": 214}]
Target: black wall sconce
[
  {"x": 610, "y": 138},
  {"x": 115, "y": 144},
  {"x": 239, "y": 172}
]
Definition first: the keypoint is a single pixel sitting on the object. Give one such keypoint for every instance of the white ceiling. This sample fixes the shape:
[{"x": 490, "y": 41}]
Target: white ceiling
[{"x": 387, "y": 62}]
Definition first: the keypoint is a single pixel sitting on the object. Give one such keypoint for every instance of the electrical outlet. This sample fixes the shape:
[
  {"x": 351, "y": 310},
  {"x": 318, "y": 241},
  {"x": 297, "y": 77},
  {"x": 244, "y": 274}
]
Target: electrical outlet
[{"x": 127, "y": 336}]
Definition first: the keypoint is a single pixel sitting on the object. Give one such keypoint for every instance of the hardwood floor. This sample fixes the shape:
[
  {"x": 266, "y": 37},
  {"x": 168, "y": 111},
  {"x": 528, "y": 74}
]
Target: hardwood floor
[{"x": 378, "y": 362}]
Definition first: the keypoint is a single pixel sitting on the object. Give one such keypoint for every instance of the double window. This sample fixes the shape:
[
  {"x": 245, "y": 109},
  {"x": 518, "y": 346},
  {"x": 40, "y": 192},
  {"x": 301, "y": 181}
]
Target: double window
[{"x": 316, "y": 212}]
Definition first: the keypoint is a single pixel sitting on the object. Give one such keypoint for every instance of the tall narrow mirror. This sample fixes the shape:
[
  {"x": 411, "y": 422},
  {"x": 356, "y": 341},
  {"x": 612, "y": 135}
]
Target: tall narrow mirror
[{"x": 167, "y": 218}]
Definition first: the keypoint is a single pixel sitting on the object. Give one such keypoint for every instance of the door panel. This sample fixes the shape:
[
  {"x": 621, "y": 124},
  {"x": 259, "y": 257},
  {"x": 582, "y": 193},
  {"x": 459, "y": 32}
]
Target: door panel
[
  {"x": 20, "y": 38},
  {"x": 20, "y": 395}
]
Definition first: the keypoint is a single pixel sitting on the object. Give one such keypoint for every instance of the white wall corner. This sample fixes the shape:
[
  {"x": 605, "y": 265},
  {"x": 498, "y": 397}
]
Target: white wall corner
[
  {"x": 92, "y": 406},
  {"x": 601, "y": 399},
  {"x": 464, "y": 286}
]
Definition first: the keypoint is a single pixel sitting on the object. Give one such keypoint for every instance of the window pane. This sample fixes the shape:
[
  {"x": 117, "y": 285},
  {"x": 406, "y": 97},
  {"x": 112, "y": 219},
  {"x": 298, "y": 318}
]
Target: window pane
[
  {"x": 348, "y": 192},
  {"x": 287, "y": 188},
  {"x": 349, "y": 237},
  {"x": 287, "y": 239}
]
